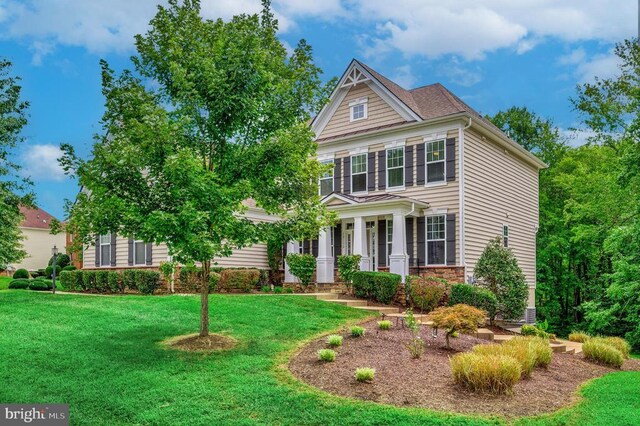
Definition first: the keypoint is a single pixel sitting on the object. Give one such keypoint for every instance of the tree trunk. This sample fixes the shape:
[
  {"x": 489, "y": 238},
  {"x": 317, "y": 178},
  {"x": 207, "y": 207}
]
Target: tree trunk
[
  {"x": 204, "y": 298},
  {"x": 446, "y": 336}
]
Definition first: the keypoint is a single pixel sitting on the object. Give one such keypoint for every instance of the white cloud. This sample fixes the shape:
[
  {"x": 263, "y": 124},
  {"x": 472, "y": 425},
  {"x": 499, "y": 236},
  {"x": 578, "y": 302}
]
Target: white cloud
[
  {"x": 586, "y": 68},
  {"x": 473, "y": 28},
  {"x": 404, "y": 77},
  {"x": 577, "y": 137},
  {"x": 41, "y": 163},
  {"x": 459, "y": 74}
]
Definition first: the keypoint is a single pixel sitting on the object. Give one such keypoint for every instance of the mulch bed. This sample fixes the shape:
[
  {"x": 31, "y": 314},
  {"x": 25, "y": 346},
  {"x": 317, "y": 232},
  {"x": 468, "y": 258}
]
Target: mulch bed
[
  {"x": 428, "y": 383},
  {"x": 195, "y": 343}
]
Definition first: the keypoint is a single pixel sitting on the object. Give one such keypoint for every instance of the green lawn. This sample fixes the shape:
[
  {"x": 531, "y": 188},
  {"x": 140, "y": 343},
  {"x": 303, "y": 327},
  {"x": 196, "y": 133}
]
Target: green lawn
[
  {"x": 4, "y": 282},
  {"x": 101, "y": 355}
]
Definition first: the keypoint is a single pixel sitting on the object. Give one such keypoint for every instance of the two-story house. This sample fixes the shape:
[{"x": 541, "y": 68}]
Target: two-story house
[{"x": 421, "y": 182}]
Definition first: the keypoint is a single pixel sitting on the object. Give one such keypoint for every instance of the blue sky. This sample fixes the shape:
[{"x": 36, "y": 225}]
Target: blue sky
[{"x": 492, "y": 53}]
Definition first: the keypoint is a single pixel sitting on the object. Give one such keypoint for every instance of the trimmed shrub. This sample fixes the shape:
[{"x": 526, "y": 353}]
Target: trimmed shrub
[
  {"x": 478, "y": 297},
  {"x": 495, "y": 374},
  {"x": 36, "y": 274},
  {"x": 19, "y": 284},
  {"x": 102, "y": 281},
  {"x": 427, "y": 293},
  {"x": 189, "y": 278},
  {"x": 114, "y": 282},
  {"x": 384, "y": 325},
  {"x": 39, "y": 285},
  {"x": 277, "y": 289},
  {"x": 265, "y": 289},
  {"x": 89, "y": 280},
  {"x": 357, "y": 331},
  {"x": 302, "y": 267},
  {"x": 62, "y": 260},
  {"x": 326, "y": 355},
  {"x": 129, "y": 279},
  {"x": 365, "y": 374},
  {"x": 71, "y": 280},
  {"x": 618, "y": 343},
  {"x": 334, "y": 340},
  {"x": 379, "y": 286},
  {"x": 147, "y": 281},
  {"x": 69, "y": 268},
  {"x": 458, "y": 318},
  {"x": 579, "y": 336},
  {"x": 21, "y": 273},
  {"x": 214, "y": 281},
  {"x": 243, "y": 280},
  {"x": 48, "y": 272},
  {"x": 602, "y": 353},
  {"x": 288, "y": 290}
]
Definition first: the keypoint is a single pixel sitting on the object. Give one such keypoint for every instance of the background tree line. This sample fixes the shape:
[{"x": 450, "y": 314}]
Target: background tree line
[{"x": 588, "y": 256}]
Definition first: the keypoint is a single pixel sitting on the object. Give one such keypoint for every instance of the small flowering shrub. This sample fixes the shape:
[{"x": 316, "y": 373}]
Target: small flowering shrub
[
  {"x": 357, "y": 331},
  {"x": 384, "y": 325}
]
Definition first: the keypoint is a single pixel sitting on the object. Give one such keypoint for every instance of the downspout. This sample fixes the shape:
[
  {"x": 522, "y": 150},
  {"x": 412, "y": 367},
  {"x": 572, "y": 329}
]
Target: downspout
[
  {"x": 461, "y": 189},
  {"x": 406, "y": 281}
]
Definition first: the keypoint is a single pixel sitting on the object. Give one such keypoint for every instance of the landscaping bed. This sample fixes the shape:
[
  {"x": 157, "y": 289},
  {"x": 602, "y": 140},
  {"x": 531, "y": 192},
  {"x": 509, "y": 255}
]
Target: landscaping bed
[{"x": 427, "y": 382}]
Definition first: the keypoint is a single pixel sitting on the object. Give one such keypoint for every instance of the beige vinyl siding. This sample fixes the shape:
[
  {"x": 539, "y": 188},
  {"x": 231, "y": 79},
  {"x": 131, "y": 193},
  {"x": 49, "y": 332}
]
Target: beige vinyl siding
[
  {"x": 379, "y": 113},
  {"x": 38, "y": 244},
  {"x": 158, "y": 254},
  {"x": 441, "y": 196},
  {"x": 499, "y": 189}
]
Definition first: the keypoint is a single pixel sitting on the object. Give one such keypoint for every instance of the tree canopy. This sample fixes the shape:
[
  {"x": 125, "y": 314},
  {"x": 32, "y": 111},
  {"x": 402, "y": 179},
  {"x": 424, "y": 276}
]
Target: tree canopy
[{"x": 212, "y": 118}]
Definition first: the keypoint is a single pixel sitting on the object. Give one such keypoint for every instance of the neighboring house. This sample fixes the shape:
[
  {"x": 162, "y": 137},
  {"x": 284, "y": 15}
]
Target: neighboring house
[
  {"x": 114, "y": 251},
  {"x": 38, "y": 242},
  {"x": 421, "y": 182}
]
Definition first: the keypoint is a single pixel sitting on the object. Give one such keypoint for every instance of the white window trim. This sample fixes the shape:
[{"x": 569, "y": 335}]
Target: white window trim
[
  {"x": 386, "y": 155},
  {"x": 135, "y": 261},
  {"x": 389, "y": 240},
  {"x": 320, "y": 179},
  {"x": 366, "y": 173},
  {"x": 505, "y": 243},
  {"x": 105, "y": 245},
  {"x": 426, "y": 239},
  {"x": 360, "y": 101},
  {"x": 443, "y": 161}
]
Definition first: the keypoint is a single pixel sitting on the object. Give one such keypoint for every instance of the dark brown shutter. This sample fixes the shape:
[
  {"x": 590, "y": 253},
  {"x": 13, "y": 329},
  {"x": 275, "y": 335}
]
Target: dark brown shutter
[
  {"x": 306, "y": 247},
  {"x": 420, "y": 164},
  {"x": 408, "y": 165},
  {"x": 98, "y": 250},
  {"x": 347, "y": 176},
  {"x": 337, "y": 175},
  {"x": 451, "y": 159},
  {"x": 371, "y": 170},
  {"x": 409, "y": 237},
  {"x": 451, "y": 239},
  {"x": 382, "y": 243},
  {"x": 422, "y": 247},
  {"x": 149, "y": 248},
  {"x": 130, "y": 251},
  {"x": 113, "y": 249},
  {"x": 314, "y": 247},
  {"x": 337, "y": 243},
  {"x": 382, "y": 170}
]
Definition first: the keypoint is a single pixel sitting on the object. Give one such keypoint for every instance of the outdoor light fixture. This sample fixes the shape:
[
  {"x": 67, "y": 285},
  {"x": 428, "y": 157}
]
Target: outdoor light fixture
[{"x": 54, "y": 253}]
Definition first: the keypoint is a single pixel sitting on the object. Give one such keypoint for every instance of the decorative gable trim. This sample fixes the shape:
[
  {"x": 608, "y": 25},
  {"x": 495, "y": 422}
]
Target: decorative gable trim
[{"x": 356, "y": 74}]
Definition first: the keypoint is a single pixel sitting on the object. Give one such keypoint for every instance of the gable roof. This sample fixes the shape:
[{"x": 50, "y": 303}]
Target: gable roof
[{"x": 35, "y": 218}]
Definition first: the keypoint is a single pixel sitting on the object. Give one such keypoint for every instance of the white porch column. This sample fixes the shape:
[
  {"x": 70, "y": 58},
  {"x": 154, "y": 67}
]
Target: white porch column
[
  {"x": 292, "y": 247},
  {"x": 398, "y": 259},
  {"x": 324, "y": 262},
  {"x": 360, "y": 242}
]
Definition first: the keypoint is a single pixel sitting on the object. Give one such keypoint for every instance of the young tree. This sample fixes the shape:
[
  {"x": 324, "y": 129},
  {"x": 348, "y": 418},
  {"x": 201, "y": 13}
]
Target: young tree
[
  {"x": 497, "y": 270},
  {"x": 14, "y": 189},
  {"x": 214, "y": 114}
]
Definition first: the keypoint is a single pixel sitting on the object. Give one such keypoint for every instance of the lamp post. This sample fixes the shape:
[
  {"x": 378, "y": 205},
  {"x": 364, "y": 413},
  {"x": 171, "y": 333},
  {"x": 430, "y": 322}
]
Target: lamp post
[{"x": 54, "y": 252}]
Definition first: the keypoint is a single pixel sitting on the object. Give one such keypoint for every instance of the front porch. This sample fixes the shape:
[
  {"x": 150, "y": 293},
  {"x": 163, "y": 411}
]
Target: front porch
[{"x": 389, "y": 232}]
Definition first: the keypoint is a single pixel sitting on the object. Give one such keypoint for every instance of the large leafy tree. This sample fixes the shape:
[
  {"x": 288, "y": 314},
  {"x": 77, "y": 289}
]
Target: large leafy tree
[
  {"x": 214, "y": 113},
  {"x": 14, "y": 189}
]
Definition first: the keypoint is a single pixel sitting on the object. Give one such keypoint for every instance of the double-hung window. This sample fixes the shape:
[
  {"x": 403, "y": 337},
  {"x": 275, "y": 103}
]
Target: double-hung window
[
  {"x": 105, "y": 250},
  {"x": 326, "y": 180},
  {"x": 395, "y": 167},
  {"x": 505, "y": 235},
  {"x": 435, "y": 161},
  {"x": 358, "y": 109},
  {"x": 436, "y": 240},
  {"x": 359, "y": 173},
  {"x": 139, "y": 252}
]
